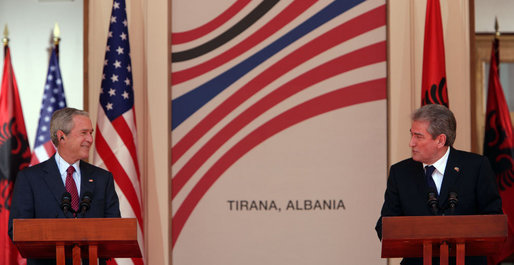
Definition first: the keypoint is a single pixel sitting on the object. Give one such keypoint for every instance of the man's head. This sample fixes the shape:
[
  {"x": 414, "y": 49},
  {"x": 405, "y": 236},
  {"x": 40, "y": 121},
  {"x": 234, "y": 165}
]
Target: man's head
[
  {"x": 72, "y": 133},
  {"x": 433, "y": 130}
]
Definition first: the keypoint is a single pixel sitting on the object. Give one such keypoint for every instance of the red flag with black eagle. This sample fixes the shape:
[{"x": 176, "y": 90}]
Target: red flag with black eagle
[
  {"x": 499, "y": 148},
  {"x": 433, "y": 82},
  {"x": 14, "y": 154}
]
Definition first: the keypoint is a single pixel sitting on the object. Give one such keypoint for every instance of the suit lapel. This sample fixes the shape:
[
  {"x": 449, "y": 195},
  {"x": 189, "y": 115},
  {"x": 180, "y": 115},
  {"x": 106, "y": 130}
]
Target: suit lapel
[
  {"x": 419, "y": 178},
  {"x": 451, "y": 175},
  {"x": 53, "y": 179},
  {"x": 87, "y": 182}
]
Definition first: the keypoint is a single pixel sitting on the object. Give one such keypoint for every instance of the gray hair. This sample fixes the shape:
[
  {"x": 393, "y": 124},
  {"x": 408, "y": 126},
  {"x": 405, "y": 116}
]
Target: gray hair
[
  {"x": 62, "y": 120},
  {"x": 440, "y": 121}
]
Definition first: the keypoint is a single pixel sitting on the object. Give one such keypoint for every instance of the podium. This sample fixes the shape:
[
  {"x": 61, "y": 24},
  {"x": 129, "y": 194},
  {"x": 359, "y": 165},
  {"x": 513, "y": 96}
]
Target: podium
[
  {"x": 76, "y": 238},
  {"x": 443, "y": 236}
]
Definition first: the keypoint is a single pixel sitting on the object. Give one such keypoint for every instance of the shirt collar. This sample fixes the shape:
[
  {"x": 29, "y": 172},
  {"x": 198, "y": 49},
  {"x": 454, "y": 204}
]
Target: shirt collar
[
  {"x": 63, "y": 165},
  {"x": 440, "y": 164}
]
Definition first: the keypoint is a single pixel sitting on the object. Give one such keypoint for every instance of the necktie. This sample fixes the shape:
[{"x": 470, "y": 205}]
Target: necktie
[
  {"x": 429, "y": 170},
  {"x": 71, "y": 187}
]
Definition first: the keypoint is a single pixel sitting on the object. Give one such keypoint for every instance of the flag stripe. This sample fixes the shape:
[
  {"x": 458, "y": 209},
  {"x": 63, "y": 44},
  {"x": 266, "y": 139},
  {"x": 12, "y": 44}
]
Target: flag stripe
[
  {"x": 351, "y": 44},
  {"x": 126, "y": 135},
  {"x": 279, "y": 21},
  {"x": 356, "y": 76},
  {"x": 182, "y": 37},
  {"x": 226, "y": 36},
  {"x": 364, "y": 56},
  {"x": 120, "y": 176},
  {"x": 186, "y": 105},
  {"x": 363, "y": 92},
  {"x": 366, "y": 22}
]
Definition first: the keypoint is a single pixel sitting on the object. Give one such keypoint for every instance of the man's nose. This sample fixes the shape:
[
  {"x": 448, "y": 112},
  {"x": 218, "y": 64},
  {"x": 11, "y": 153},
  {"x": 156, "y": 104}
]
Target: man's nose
[{"x": 412, "y": 142}]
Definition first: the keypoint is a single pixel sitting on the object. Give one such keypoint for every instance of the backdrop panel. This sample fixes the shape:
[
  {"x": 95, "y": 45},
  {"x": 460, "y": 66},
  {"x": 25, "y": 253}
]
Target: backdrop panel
[{"x": 278, "y": 131}]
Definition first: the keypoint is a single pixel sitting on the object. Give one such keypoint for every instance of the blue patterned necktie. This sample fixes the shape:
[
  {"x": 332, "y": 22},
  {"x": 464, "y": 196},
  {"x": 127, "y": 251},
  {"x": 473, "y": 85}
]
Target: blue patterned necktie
[{"x": 429, "y": 170}]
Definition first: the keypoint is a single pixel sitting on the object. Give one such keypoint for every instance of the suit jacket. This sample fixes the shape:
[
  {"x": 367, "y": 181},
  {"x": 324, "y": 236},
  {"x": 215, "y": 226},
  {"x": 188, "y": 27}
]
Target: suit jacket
[
  {"x": 38, "y": 192},
  {"x": 469, "y": 175}
]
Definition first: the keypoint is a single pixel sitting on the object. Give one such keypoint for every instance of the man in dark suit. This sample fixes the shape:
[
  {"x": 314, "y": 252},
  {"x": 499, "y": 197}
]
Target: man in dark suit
[
  {"x": 38, "y": 190},
  {"x": 467, "y": 176}
]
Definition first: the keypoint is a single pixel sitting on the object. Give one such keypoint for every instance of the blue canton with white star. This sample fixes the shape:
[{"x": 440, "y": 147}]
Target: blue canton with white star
[
  {"x": 53, "y": 99},
  {"x": 116, "y": 94}
]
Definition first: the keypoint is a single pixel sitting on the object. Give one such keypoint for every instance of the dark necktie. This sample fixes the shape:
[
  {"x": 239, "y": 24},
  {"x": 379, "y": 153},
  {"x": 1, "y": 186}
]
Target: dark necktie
[
  {"x": 429, "y": 170},
  {"x": 71, "y": 187}
]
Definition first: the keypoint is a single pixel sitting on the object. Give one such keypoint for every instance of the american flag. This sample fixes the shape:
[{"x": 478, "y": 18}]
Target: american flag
[
  {"x": 53, "y": 99},
  {"x": 115, "y": 140}
]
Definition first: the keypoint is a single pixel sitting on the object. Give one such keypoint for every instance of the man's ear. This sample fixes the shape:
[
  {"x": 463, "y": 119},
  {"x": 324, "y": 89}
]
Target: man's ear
[
  {"x": 60, "y": 135},
  {"x": 441, "y": 140}
]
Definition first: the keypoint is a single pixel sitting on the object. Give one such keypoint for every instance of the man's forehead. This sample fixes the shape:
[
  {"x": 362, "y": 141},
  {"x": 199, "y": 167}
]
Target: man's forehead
[
  {"x": 419, "y": 127},
  {"x": 82, "y": 122}
]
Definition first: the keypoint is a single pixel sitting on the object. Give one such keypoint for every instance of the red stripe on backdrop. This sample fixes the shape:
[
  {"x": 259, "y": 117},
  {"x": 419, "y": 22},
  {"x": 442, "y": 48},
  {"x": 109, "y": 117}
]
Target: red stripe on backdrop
[
  {"x": 190, "y": 35},
  {"x": 125, "y": 133},
  {"x": 365, "y": 56},
  {"x": 366, "y": 22},
  {"x": 344, "y": 97},
  {"x": 120, "y": 176},
  {"x": 278, "y": 22}
]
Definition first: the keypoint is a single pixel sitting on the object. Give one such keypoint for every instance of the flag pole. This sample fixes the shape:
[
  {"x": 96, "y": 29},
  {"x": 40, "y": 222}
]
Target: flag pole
[
  {"x": 5, "y": 39},
  {"x": 497, "y": 44},
  {"x": 57, "y": 39}
]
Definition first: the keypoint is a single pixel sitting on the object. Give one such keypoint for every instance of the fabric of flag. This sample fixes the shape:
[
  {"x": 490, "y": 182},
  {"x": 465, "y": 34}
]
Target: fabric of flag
[
  {"x": 14, "y": 154},
  {"x": 499, "y": 148},
  {"x": 53, "y": 99},
  {"x": 115, "y": 140},
  {"x": 433, "y": 82}
]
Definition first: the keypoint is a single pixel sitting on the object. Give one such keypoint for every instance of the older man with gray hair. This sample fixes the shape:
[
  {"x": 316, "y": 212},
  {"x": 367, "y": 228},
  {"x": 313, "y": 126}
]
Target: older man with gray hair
[{"x": 438, "y": 169}]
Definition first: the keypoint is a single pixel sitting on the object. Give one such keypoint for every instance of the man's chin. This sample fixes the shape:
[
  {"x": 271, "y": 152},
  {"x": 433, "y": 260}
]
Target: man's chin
[{"x": 84, "y": 155}]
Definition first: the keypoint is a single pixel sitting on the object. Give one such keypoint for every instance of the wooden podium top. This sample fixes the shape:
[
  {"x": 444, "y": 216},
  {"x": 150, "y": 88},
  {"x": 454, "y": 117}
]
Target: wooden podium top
[
  {"x": 115, "y": 237},
  {"x": 403, "y": 236}
]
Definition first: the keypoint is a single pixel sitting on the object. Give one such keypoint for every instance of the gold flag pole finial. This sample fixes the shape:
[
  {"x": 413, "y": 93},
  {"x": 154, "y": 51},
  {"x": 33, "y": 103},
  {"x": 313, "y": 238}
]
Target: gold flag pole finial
[
  {"x": 5, "y": 39},
  {"x": 496, "y": 27},
  {"x": 57, "y": 34}
]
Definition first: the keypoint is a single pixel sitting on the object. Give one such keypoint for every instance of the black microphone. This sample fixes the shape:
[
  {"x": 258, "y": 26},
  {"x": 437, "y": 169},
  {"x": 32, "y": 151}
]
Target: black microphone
[
  {"x": 432, "y": 201},
  {"x": 85, "y": 204},
  {"x": 66, "y": 203},
  {"x": 452, "y": 201}
]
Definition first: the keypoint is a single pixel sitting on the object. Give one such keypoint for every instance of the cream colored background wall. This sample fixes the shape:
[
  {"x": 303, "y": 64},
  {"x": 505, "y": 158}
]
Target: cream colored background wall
[{"x": 149, "y": 31}]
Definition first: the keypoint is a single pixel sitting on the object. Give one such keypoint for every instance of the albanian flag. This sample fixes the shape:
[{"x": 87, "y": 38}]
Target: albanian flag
[
  {"x": 433, "y": 82},
  {"x": 499, "y": 148},
  {"x": 14, "y": 154}
]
